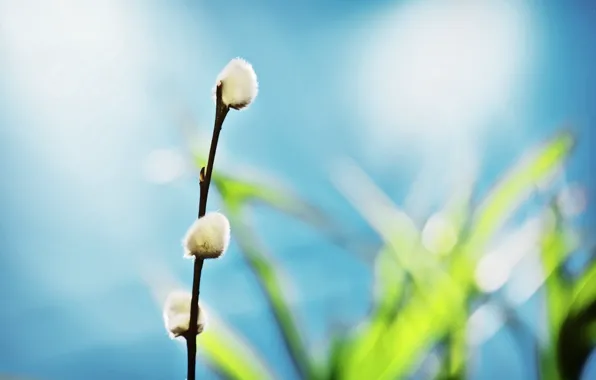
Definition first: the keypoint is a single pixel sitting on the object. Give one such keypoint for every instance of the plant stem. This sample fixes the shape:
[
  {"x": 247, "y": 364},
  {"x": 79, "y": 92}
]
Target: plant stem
[
  {"x": 221, "y": 111},
  {"x": 191, "y": 338}
]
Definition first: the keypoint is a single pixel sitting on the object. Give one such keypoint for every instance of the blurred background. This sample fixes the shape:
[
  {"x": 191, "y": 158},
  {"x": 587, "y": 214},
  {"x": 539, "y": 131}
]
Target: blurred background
[{"x": 409, "y": 193}]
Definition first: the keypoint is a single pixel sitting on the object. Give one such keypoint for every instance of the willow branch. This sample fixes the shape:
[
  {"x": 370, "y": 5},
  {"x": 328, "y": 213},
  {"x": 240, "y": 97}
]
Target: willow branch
[{"x": 221, "y": 111}]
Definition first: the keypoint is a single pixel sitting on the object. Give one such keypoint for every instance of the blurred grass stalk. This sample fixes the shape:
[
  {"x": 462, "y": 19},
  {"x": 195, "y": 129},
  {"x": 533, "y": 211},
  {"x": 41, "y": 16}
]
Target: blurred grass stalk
[
  {"x": 425, "y": 281},
  {"x": 439, "y": 306}
]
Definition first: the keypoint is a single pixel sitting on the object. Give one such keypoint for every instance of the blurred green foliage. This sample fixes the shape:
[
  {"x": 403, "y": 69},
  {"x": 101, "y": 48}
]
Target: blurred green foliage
[{"x": 422, "y": 301}]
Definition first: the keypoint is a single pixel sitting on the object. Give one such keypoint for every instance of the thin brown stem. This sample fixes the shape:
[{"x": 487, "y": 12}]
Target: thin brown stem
[
  {"x": 191, "y": 337},
  {"x": 221, "y": 111}
]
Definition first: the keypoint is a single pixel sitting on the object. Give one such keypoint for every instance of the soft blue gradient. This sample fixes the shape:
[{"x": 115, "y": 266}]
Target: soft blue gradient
[{"x": 79, "y": 219}]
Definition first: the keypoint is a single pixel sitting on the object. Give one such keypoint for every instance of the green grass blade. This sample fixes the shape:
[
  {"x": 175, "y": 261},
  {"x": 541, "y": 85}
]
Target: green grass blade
[
  {"x": 394, "y": 226},
  {"x": 456, "y": 351},
  {"x": 360, "y": 353},
  {"x": 584, "y": 290},
  {"x": 238, "y": 192},
  {"x": 521, "y": 180},
  {"x": 388, "y": 348},
  {"x": 557, "y": 294},
  {"x": 555, "y": 249},
  {"x": 393, "y": 348},
  {"x": 390, "y": 281},
  {"x": 229, "y": 355},
  {"x": 431, "y": 315},
  {"x": 333, "y": 365},
  {"x": 577, "y": 337},
  {"x": 575, "y": 343},
  {"x": 268, "y": 278}
]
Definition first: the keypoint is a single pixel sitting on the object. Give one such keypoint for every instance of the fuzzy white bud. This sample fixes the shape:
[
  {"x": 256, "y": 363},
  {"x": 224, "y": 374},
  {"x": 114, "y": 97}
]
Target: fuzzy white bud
[
  {"x": 208, "y": 237},
  {"x": 176, "y": 314},
  {"x": 239, "y": 84}
]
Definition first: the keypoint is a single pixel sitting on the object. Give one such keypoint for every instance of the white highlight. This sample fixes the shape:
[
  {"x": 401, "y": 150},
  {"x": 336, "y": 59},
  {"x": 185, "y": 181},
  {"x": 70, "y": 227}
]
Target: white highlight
[
  {"x": 208, "y": 237},
  {"x": 176, "y": 314},
  {"x": 531, "y": 277},
  {"x": 492, "y": 273},
  {"x": 239, "y": 81},
  {"x": 496, "y": 267},
  {"x": 439, "y": 234},
  {"x": 436, "y": 68},
  {"x": 572, "y": 200},
  {"x": 164, "y": 166},
  {"x": 80, "y": 73},
  {"x": 484, "y": 323}
]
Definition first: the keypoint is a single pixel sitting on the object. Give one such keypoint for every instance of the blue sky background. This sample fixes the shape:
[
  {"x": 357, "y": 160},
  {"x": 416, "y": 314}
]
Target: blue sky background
[{"x": 89, "y": 89}]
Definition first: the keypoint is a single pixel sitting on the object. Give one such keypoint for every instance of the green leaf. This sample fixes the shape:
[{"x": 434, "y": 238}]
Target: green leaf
[
  {"x": 238, "y": 192},
  {"x": 390, "y": 281},
  {"x": 555, "y": 249},
  {"x": 453, "y": 217},
  {"x": 456, "y": 351},
  {"x": 584, "y": 290},
  {"x": 227, "y": 353},
  {"x": 522, "y": 179},
  {"x": 426, "y": 318},
  {"x": 448, "y": 224},
  {"x": 333, "y": 367},
  {"x": 360, "y": 353},
  {"x": 387, "y": 349},
  {"x": 431, "y": 315},
  {"x": 267, "y": 275},
  {"x": 576, "y": 338}
]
